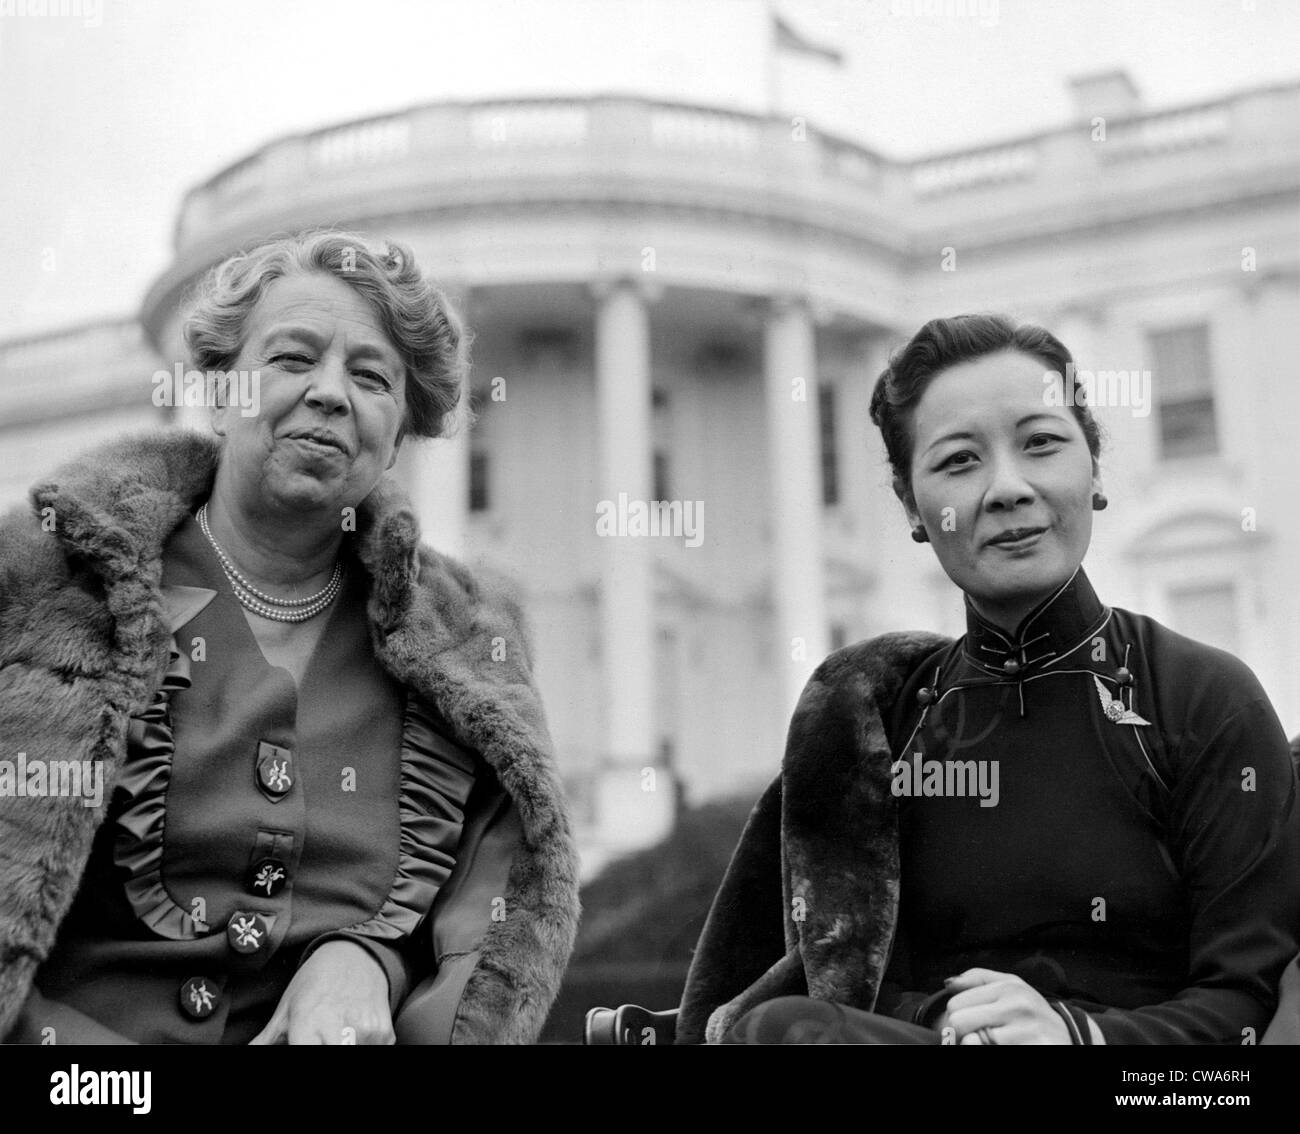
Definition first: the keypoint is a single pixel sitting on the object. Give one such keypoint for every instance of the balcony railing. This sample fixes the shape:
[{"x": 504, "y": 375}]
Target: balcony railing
[
  {"x": 446, "y": 143},
  {"x": 71, "y": 347},
  {"x": 1165, "y": 133},
  {"x": 448, "y": 146},
  {"x": 492, "y": 127},
  {"x": 366, "y": 143},
  {"x": 984, "y": 167}
]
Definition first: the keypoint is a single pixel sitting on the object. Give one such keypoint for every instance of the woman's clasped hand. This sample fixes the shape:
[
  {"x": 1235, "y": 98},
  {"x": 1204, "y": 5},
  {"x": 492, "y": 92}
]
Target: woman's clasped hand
[
  {"x": 999, "y": 1008},
  {"x": 338, "y": 996}
]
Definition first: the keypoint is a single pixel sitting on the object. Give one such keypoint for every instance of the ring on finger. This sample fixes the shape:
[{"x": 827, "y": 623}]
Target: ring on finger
[{"x": 986, "y": 1037}]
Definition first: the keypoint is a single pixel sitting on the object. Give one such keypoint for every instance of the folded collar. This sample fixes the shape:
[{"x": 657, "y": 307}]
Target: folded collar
[{"x": 181, "y": 604}]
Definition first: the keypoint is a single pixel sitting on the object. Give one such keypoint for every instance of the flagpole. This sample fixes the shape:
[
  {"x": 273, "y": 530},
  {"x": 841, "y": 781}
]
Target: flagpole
[{"x": 773, "y": 79}]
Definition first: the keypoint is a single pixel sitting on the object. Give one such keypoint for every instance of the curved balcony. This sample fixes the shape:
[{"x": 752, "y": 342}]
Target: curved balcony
[
  {"x": 734, "y": 186},
  {"x": 460, "y": 155},
  {"x": 529, "y": 191}
]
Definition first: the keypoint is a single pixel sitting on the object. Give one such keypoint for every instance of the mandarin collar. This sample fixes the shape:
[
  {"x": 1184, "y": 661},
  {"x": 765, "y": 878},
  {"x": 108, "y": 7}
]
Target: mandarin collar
[{"x": 1054, "y": 628}]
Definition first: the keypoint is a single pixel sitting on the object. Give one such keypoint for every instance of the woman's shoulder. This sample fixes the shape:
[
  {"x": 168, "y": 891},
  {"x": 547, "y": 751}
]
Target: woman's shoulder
[
  {"x": 479, "y": 606},
  {"x": 475, "y": 591},
  {"x": 1202, "y": 692},
  {"x": 124, "y": 494},
  {"x": 404, "y": 564},
  {"x": 884, "y": 661},
  {"x": 1189, "y": 663},
  {"x": 34, "y": 564}
]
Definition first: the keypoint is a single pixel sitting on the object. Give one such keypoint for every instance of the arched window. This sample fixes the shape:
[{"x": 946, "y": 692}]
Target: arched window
[{"x": 1197, "y": 571}]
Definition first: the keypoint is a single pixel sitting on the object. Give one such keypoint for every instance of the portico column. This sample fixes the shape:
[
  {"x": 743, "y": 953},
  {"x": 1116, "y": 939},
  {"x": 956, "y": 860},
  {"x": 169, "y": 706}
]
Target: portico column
[
  {"x": 435, "y": 471},
  {"x": 628, "y": 811},
  {"x": 435, "y": 474},
  {"x": 794, "y": 485},
  {"x": 1078, "y": 328}
]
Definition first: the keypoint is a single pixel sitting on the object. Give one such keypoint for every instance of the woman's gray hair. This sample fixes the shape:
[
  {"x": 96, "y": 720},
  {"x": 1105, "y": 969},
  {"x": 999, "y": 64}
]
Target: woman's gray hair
[{"x": 414, "y": 314}]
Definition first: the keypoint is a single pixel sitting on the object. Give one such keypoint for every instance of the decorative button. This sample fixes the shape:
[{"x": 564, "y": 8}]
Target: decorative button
[
  {"x": 274, "y": 770},
  {"x": 925, "y": 696},
  {"x": 1123, "y": 676},
  {"x": 247, "y": 932},
  {"x": 1011, "y": 667},
  {"x": 267, "y": 877},
  {"x": 199, "y": 998}
]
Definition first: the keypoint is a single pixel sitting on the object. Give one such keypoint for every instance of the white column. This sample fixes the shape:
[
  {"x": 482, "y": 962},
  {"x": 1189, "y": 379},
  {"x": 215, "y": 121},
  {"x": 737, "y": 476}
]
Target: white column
[
  {"x": 635, "y": 797},
  {"x": 436, "y": 475},
  {"x": 1082, "y": 329},
  {"x": 1079, "y": 328},
  {"x": 911, "y": 591},
  {"x": 794, "y": 483}
]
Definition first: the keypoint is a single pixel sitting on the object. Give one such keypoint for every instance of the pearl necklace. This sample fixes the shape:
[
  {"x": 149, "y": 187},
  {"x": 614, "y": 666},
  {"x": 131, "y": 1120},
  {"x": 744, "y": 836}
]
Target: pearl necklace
[{"x": 268, "y": 606}]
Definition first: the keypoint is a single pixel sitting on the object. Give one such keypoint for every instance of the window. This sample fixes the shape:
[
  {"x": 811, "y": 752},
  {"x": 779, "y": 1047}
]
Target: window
[
  {"x": 548, "y": 347},
  {"x": 479, "y": 500},
  {"x": 662, "y": 427},
  {"x": 1183, "y": 388},
  {"x": 829, "y": 449},
  {"x": 1206, "y": 612},
  {"x": 662, "y": 490}
]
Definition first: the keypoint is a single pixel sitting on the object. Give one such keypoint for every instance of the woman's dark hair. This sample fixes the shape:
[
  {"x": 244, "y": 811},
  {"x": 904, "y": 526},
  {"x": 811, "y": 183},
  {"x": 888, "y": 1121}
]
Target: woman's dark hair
[{"x": 942, "y": 343}]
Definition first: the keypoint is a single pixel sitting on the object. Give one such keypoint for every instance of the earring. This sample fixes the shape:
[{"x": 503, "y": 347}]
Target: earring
[
  {"x": 1099, "y": 501},
  {"x": 919, "y": 534}
]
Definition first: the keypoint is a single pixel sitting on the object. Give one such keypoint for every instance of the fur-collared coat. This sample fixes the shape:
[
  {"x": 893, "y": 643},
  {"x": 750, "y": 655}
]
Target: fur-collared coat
[
  {"x": 809, "y": 902},
  {"x": 821, "y": 843},
  {"x": 84, "y": 644}
]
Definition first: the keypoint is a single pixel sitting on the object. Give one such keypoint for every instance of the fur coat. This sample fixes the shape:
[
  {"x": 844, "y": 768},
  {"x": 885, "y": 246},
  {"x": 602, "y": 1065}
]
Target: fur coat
[
  {"x": 809, "y": 902},
  {"x": 84, "y": 645},
  {"x": 814, "y": 883}
]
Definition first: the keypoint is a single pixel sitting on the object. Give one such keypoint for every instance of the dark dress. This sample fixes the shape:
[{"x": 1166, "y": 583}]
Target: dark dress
[
  {"x": 254, "y": 820},
  {"x": 1101, "y": 806}
]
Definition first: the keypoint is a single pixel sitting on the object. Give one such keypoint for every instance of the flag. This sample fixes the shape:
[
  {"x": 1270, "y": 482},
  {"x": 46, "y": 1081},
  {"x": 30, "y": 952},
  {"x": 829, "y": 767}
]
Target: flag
[{"x": 786, "y": 37}]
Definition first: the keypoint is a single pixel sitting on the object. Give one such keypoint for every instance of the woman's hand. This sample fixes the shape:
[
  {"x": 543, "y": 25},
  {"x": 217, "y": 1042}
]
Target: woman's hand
[
  {"x": 1011, "y": 1011},
  {"x": 340, "y": 995}
]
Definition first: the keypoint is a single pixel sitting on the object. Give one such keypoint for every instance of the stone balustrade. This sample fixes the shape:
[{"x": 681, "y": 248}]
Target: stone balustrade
[{"x": 450, "y": 144}]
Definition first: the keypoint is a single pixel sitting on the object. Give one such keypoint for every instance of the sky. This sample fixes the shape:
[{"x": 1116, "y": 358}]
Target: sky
[{"x": 111, "y": 109}]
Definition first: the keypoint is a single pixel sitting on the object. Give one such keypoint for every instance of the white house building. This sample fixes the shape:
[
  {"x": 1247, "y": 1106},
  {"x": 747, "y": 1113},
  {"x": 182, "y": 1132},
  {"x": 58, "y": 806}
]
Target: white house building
[{"x": 690, "y": 305}]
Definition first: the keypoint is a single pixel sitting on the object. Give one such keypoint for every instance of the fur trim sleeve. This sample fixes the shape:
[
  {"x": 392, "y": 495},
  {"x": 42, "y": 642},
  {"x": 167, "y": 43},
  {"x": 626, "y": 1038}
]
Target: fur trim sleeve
[
  {"x": 745, "y": 930},
  {"x": 810, "y": 900},
  {"x": 62, "y": 700}
]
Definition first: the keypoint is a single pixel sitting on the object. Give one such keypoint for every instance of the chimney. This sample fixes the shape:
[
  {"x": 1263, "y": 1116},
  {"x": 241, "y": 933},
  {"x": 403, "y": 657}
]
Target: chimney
[{"x": 1105, "y": 94}]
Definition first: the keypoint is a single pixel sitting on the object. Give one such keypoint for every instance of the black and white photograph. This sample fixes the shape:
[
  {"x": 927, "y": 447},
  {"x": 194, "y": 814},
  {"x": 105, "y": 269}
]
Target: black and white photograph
[{"x": 651, "y": 523}]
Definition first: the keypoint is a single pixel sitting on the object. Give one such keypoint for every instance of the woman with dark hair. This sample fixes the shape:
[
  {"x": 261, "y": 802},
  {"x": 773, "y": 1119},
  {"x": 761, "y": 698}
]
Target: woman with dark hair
[
  {"x": 1070, "y": 825},
  {"x": 327, "y": 809}
]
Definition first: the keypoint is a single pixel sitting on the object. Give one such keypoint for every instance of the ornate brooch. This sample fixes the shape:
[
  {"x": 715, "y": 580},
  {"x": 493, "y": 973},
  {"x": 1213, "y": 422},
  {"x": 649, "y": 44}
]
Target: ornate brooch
[{"x": 1114, "y": 708}]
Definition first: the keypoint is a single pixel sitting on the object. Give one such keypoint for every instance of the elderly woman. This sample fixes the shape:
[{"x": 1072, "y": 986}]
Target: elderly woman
[
  {"x": 1070, "y": 825},
  {"x": 332, "y": 812}
]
